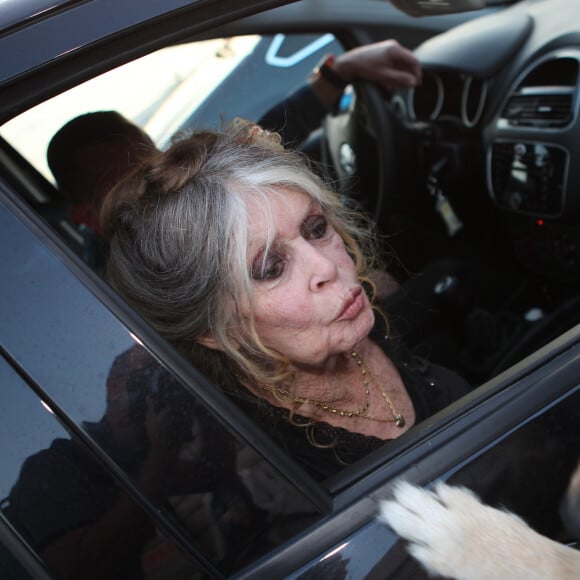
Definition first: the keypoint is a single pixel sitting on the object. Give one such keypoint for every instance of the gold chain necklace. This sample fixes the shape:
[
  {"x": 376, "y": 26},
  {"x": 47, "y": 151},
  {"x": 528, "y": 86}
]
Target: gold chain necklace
[{"x": 398, "y": 418}]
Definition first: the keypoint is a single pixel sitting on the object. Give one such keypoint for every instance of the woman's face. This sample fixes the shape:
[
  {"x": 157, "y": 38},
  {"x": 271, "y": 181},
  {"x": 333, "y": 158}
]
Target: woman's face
[{"x": 308, "y": 303}]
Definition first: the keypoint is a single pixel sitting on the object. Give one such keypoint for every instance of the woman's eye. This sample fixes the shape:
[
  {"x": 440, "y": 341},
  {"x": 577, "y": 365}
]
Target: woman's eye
[
  {"x": 315, "y": 227},
  {"x": 268, "y": 269}
]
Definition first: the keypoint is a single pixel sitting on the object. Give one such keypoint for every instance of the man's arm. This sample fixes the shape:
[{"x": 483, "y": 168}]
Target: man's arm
[{"x": 387, "y": 63}]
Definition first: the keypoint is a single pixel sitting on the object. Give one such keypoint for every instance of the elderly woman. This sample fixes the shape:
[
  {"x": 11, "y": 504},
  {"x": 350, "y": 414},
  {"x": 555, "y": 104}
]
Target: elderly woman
[{"x": 237, "y": 253}]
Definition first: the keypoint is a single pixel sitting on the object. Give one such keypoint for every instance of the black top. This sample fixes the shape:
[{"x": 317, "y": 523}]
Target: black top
[{"x": 323, "y": 449}]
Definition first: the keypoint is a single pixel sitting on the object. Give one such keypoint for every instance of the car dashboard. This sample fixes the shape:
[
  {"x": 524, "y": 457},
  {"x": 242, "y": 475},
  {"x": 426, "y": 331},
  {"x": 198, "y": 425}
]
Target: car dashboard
[{"x": 508, "y": 82}]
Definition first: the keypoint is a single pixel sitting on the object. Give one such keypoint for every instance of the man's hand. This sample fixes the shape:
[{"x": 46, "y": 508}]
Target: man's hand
[{"x": 386, "y": 63}]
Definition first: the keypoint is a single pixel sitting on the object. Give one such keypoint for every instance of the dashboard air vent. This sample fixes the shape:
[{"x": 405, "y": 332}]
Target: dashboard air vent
[
  {"x": 545, "y": 97},
  {"x": 541, "y": 107}
]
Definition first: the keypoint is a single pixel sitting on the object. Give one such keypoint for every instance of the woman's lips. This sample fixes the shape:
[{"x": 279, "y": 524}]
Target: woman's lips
[{"x": 353, "y": 305}]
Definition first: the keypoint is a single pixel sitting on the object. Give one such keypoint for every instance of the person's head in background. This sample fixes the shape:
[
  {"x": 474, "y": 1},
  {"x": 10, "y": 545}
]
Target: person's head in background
[{"x": 92, "y": 153}]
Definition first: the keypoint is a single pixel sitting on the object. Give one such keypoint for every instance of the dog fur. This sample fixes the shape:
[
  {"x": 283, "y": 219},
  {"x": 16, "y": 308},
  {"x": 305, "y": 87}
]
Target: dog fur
[{"x": 454, "y": 535}]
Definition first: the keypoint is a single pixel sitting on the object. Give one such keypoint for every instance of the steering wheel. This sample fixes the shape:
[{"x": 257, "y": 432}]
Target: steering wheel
[{"x": 358, "y": 146}]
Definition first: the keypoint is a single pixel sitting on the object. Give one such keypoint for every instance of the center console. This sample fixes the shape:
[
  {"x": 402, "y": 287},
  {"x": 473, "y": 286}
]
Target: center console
[{"x": 529, "y": 177}]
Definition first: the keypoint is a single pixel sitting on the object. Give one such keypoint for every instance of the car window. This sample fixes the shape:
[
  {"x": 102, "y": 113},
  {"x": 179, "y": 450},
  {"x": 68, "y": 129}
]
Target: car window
[
  {"x": 99, "y": 442},
  {"x": 194, "y": 85}
]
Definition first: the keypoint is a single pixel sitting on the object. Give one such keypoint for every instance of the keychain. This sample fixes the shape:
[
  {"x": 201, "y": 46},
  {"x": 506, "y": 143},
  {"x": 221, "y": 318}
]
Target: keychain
[
  {"x": 444, "y": 207},
  {"x": 447, "y": 213}
]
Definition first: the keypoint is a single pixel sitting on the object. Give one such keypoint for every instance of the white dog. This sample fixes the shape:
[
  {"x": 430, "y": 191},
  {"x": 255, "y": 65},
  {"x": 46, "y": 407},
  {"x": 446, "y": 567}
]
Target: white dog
[{"x": 453, "y": 534}]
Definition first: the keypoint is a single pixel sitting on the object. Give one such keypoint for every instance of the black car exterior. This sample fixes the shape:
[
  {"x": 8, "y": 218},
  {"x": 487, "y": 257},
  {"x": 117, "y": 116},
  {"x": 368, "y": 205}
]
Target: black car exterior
[{"x": 96, "y": 405}]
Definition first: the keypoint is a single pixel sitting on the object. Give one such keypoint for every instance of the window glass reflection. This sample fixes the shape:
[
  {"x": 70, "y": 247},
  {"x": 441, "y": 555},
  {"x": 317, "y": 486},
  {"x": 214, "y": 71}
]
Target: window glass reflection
[
  {"x": 229, "y": 502},
  {"x": 66, "y": 506},
  {"x": 215, "y": 492}
]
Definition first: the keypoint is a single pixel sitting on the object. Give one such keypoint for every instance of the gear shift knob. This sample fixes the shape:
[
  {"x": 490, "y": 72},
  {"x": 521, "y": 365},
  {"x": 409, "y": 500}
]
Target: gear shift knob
[{"x": 450, "y": 296}]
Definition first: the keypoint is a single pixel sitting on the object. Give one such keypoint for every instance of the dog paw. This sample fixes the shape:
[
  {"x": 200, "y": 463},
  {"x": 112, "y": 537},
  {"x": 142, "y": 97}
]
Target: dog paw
[
  {"x": 431, "y": 522},
  {"x": 452, "y": 534}
]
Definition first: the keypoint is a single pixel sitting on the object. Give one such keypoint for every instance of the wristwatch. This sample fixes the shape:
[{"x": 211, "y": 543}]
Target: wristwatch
[{"x": 324, "y": 69}]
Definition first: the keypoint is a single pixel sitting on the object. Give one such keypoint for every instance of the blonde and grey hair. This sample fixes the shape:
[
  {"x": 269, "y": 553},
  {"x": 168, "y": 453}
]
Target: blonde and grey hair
[{"x": 178, "y": 231}]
